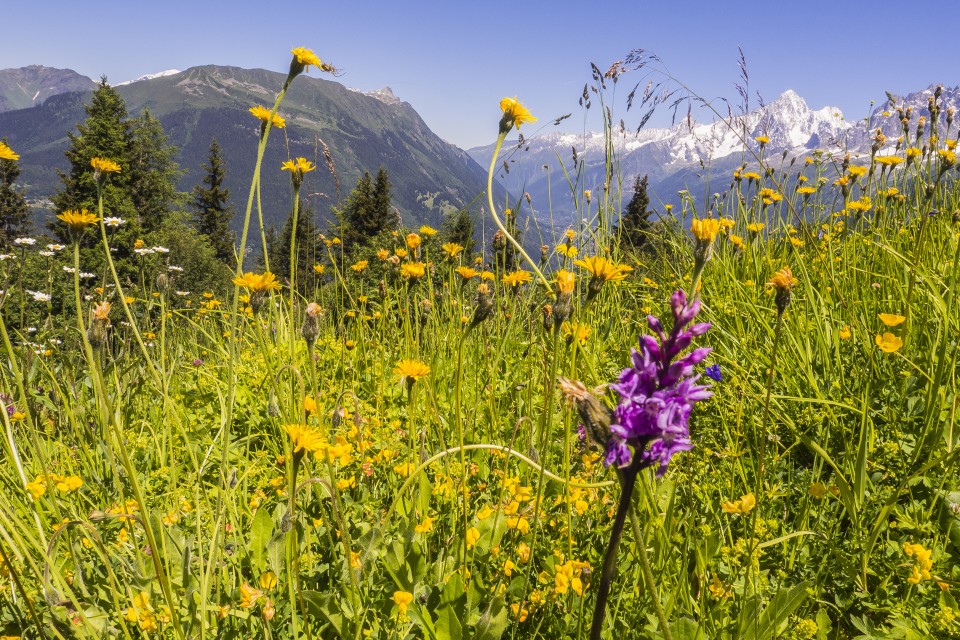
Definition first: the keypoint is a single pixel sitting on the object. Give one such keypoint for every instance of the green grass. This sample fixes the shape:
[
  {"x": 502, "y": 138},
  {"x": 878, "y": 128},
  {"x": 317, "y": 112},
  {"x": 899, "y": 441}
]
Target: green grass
[{"x": 469, "y": 488}]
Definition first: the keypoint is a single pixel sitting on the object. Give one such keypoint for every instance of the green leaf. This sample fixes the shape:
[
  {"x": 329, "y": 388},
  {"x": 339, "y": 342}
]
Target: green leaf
[
  {"x": 260, "y": 533},
  {"x": 493, "y": 622}
]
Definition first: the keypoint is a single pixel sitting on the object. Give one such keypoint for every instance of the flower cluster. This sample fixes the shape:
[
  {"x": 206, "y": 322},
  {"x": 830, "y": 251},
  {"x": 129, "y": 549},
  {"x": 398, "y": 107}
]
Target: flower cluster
[{"x": 658, "y": 393}]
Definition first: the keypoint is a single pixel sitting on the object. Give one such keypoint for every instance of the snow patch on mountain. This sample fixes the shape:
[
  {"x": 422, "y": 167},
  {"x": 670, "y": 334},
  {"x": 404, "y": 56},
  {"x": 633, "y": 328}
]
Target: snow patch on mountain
[{"x": 150, "y": 76}]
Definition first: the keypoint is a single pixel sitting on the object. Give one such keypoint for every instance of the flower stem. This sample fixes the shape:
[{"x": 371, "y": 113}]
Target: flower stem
[
  {"x": 496, "y": 219},
  {"x": 628, "y": 479}
]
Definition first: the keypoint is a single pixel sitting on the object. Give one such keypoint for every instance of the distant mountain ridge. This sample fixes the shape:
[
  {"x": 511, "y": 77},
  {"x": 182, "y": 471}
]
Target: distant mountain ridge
[
  {"x": 690, "y": 157},
  {"x": 362, "y": 132},
  {"x": 33, "y": 85}
]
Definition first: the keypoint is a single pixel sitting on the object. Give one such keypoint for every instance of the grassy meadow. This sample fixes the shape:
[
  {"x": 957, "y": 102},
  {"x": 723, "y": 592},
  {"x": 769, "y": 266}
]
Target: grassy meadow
[{"x": 404, "y": 452}]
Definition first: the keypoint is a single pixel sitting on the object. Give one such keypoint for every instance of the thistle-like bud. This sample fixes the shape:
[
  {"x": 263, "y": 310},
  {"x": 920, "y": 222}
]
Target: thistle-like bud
[
  {"x": 163, "y": 282},
  {"x": 273, "y": 406},
  {"x": 564, "y": 306},
  {"x": 483, "y": 305},
  {"x": 311, "y": 325},
  {"x": 97, "y": 332},
  {"x": 547, "y": 311},
  {"x": 595, "y": 416}
]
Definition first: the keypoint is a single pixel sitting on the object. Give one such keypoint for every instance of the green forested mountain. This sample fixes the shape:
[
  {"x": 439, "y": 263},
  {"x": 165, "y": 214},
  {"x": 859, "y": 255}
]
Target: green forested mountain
[{"x": 363, "y": 132}]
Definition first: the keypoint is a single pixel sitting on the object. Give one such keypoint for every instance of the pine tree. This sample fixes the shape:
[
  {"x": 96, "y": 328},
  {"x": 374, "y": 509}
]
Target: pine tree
[
  {"x": 213, "y": 212},
  {"x": 153, "y": 172},
  {"x": 14, "y": 213},
  {"x": 104, "y": 134},
  {"x": 634, "y": 229}
]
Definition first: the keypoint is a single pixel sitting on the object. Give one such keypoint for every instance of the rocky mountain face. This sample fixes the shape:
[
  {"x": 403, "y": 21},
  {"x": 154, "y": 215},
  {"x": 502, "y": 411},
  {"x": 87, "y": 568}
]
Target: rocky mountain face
[
  {"x": 362, "y": 132},
  {"x": 31, "y": 86},
  {"x": 699, "y": 157}
]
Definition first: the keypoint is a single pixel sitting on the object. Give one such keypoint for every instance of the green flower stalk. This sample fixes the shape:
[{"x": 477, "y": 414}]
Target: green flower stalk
[{"x": 514, "y": 115}]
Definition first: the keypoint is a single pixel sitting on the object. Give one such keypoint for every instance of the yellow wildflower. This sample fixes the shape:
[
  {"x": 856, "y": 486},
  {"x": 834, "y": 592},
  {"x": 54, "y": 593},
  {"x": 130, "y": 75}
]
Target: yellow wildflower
[
  {"x": 891, "y": 319},
  {"x": 263, "y": 114},
  {"x": 743, "y": 505},
  {"x": 402, "y": 599},
  {"x": 104, "y": 165},
  {"x": 888, "y": 342},
  {"x": 514, "y": 114},
  {"x": 6, "y": 153},
  {"x": 411, "y": 371}
]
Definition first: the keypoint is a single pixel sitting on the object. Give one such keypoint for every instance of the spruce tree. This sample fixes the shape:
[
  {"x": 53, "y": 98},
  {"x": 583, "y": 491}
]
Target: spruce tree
[
  {"x": 356, "y": 213},
  {"x": 458, "y": 228},
  {"x": 153, "y": 172},
  {"x": 383, "y": 217},
  {"x": 634, "y": 229},
  {"x": 104, "y": 134},
  {"x": 213, "y": 212},
  {"x": 279, "y": 248},
  {"x": 14, "y": 213}
]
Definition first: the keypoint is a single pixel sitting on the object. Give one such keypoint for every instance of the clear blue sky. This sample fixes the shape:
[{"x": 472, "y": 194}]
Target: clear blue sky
[{"x": 454, "y": 60}]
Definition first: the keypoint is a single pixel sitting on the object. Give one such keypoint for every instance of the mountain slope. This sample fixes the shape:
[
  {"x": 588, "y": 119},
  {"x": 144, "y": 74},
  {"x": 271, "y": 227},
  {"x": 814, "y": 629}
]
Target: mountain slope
[
  {"x": 362, "y": 132},
  {"x": 30, "y": 86},
  {"x": 701, "y": 157}
]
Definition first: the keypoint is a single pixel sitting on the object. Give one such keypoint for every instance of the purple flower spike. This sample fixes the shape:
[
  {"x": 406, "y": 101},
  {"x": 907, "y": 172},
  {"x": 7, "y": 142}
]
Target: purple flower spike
[{"x": 658, "y": 392}]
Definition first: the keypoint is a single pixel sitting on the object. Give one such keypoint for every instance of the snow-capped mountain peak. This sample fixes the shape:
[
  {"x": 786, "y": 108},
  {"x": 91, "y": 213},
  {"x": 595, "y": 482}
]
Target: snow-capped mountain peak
[{"x": 150, "y": 76}]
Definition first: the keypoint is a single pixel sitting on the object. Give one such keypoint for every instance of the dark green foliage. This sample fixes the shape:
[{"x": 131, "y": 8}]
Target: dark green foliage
[
  {"x": 106, "y": 134},
  {"x": 504, "y": 253},
  {"x": 153, "y": 172},
  {"x": 14, "y": 213},
  {"x": 368, "y": 214},
  {"x": 307, "y": 253},
  {"x": 213, "y": 211},
  {"x": 633, "y": 232},
  {"x": 193, "y": 253},
  {"x": 458, "y": 227}
]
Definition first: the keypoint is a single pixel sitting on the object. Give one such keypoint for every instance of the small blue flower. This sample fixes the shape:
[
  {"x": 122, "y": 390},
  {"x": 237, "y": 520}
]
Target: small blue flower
[{"x": 713, "y": 372}]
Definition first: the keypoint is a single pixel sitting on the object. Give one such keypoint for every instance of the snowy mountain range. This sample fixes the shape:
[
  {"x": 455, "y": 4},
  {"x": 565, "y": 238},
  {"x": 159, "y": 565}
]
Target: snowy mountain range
[{"x": 691, "y": 155}]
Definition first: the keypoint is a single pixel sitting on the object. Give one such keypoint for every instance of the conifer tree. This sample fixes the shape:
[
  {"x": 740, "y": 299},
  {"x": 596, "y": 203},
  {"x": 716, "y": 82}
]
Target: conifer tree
[
  {"x": 356, "y": 213},
  {"x": 105, "y": 134},
  {"x": 213, "y": 212},
  {"x": 153, "y": 172},
  {"x": 458, "y": 228},
  {"x": 634, "y": 229},
  {"x": 279, "y": 248},
  {"x": 383, "y": 216},
  {"x": 14, "y": 213}
]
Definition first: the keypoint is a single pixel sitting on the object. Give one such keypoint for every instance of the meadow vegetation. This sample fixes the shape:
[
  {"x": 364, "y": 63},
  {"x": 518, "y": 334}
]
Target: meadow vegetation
[{"x": 411, "y": 439}]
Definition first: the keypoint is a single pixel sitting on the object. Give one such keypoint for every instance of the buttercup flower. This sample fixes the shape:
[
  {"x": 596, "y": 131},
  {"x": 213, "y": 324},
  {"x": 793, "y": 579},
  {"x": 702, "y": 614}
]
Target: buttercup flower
[
  {"x": 888, "y": 342},
  {"x": 891, "y": 319}
]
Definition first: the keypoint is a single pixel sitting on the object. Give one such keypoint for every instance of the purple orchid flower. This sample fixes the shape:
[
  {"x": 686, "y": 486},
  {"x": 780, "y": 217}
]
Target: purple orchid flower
[{"x": 658, "y": 392}]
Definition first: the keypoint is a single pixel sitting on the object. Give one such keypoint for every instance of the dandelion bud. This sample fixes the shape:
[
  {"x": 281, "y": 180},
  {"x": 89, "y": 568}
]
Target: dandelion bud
[
  {"x": 950, "y": 113},
  {"x": 163, "y": 282},
  {"x": 547, "y": 311},
  {"x": 783, "y": 282},
  {"x": 705, "y": 231},
  {"x": 564, "y": 307},
  {"x": 273, "y": 407},
  {"x": 499, "y": 241},
  {"x": 311, "y": 326},
  {"x": 595, "y": 416},
  {"x": 483, "y": 305},
  {"x": 544, "y": 253}
]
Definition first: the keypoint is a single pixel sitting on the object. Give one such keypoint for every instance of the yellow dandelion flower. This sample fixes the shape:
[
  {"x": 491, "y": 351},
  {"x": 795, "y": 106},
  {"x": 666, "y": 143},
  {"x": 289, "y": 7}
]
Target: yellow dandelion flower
[
  {"x": 844, "y": 332},
  {"x": 603, "y": 269},
  {"x": 705, "y": 229},
  {"x": 298, "y": 166},
  {"x": 413, "y": 241},
  {"x": 304, "y": 58},
  {"x": 411, "y": 371},
  {"x": 304, "y": 438},
  {"x": 565, "y": 281},
  {"x": 452, "y": 249},
  {"x": 514, "y": 114},
  {"x": 104, "y": 165},
  {"x": 762, "y": 140},
  {"x": 755, "y": 227},
  {"x": 517, "y": 278},
  {"x": 257, "y": 283},
  {"x": 359, "y": 266},
  {"x": 78, "y": 220},
  {"x": 567, "y": 250},
  {"x": 263, "y": 114},
  {"x": 783, "y": 280},
  {"x": 413, "y": 270},
  {"x": 467, "y": 272},
  {"x": 6, "y": 153},
  {"x": 889, "y": 161}
]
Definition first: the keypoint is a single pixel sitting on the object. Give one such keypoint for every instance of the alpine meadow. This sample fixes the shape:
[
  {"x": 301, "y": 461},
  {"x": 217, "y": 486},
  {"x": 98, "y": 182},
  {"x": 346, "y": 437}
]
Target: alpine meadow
[{"x": 248, "y": 410}]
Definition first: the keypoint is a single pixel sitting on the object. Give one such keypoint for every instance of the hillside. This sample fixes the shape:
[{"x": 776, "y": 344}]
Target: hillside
[{"x": 363, "y": 132}]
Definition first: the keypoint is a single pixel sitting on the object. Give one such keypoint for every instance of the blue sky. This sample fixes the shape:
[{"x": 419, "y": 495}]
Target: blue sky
[{"x": 453, "y": 61}]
